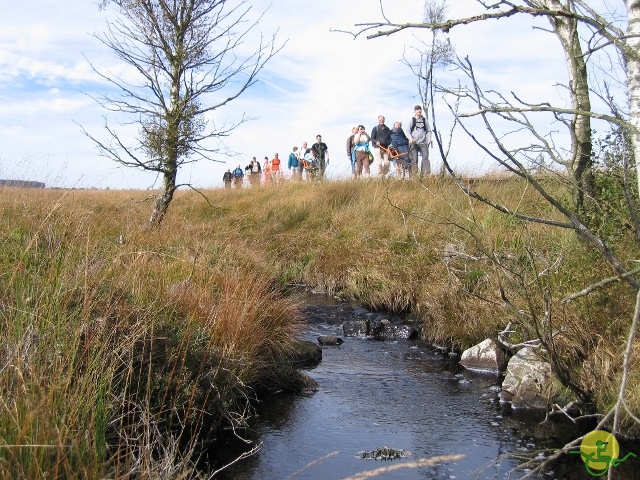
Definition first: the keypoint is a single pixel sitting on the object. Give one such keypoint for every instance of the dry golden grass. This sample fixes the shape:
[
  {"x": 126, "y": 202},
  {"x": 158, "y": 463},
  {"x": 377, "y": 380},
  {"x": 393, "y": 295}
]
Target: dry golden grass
[{"x": 109, "y": 327}]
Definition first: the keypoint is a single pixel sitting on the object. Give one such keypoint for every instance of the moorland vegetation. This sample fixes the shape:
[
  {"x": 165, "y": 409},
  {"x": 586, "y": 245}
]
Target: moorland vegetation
[{"x": 122, "y": 344}]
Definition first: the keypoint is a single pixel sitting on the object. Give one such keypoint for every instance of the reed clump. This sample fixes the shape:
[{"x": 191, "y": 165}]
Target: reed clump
[{"x": 124, "y": 345}]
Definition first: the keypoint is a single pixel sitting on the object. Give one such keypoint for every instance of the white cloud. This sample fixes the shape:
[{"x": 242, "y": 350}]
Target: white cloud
[{"x": 323, "y": 82}]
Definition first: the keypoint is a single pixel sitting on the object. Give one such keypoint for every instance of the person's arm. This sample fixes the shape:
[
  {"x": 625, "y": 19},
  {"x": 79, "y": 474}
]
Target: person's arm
[
  {"x": 374, "y": 136},
  {"x": 408, "y": 132}
]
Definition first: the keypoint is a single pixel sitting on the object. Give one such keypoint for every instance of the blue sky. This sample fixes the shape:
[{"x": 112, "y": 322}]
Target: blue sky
[{"x": 321, "y": 82}]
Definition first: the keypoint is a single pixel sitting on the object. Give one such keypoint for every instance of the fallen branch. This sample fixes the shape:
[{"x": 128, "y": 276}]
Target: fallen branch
[
  {"x": 425, "y": 462},
  {"x": 600, "y": 284},
  {"x": 514, "y": 347}
]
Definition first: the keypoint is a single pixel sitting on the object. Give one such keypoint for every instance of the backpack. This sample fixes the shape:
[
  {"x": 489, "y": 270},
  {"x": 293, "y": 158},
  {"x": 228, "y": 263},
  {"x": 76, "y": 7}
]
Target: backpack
[{"x": 413, "y": 125}]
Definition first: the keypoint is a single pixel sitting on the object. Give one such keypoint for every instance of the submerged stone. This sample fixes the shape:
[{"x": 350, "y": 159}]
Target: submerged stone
[{"x": 330, "y": 340}]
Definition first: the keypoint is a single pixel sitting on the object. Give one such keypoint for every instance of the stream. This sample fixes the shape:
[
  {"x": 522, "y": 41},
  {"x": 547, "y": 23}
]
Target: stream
[{"x": 397, "y": 394}]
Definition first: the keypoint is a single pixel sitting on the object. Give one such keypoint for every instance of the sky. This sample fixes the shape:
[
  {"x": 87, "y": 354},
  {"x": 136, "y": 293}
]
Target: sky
[{"x": 323, "y": 81}]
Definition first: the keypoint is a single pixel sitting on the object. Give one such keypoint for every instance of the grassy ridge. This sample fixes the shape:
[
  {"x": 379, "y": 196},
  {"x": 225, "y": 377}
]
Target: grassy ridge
[{"x": 121, "y": 343}]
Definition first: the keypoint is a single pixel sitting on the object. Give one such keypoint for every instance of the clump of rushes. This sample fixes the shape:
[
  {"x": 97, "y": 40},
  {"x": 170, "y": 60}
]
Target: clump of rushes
[{"x": 121, "y": 348}]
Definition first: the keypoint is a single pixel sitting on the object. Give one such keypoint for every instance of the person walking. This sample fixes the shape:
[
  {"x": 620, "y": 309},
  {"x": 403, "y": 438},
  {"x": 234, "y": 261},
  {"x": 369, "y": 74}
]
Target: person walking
[
  {"x": 310, "y": 165},
  {"x": 321, "y": 154},
  {"x": 419, "y": 140},
  {"x": 400, "y": 143},
  {"x": 227, "y": 178},
  {"x": 275, "y": 168},
  {"x": 267, "y": 171},
  {"x": 294, "y": 164},
  {"x": 301, "y": 153},
  {"x": 253, "y": 171},
  {"x": 381, "y": 137},
  {"x": 350, "y": 154},
  {"x": 361, "y": 147},
  {"x": 238, "y": 176}
]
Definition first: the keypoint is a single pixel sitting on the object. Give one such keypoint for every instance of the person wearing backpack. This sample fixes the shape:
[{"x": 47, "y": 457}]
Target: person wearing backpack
[
  {"x": 253, "y": 172},
  {"x": 419, "y": 141},
  {"x": 400, "y": 143},
  {"x": 238, "y": 176}
]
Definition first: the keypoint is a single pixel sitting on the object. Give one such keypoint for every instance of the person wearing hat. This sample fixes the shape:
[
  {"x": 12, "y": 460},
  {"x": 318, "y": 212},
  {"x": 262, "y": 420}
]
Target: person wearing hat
[{"x": 419, "y": 141}]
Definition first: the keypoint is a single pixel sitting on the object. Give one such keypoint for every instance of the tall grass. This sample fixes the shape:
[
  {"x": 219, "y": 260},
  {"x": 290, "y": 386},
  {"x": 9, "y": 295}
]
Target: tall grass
[{"x": 123, "y": 347}]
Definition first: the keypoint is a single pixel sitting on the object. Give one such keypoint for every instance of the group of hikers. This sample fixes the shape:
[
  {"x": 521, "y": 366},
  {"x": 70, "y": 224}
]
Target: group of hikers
[
  {"x": 312, "y": 160},
  {"x": 384, "y": 147}
]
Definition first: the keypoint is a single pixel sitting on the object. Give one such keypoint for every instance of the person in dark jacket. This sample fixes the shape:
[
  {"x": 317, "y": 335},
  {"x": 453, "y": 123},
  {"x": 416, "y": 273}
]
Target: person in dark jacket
[
  {"x": 381, "y": 137},
  {"x": 227, "y": 178},
  {"x": 400, "y": 143},
  {"x": 321, "y": 154}
]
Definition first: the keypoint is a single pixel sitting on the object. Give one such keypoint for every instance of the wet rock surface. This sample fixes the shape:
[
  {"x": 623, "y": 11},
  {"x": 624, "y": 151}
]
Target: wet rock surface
[{"x": 360, "y": 322}]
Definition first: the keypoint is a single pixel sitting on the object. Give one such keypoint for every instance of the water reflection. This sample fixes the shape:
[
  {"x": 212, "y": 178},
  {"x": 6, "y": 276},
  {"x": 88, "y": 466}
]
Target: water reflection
[{"x": 396, "y": 394}]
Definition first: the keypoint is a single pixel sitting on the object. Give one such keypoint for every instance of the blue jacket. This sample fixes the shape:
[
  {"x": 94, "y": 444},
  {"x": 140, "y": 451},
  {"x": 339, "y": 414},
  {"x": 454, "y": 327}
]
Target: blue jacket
[
  {"x": 293, "y": 161},
  {"x": 399, "y": 138}
]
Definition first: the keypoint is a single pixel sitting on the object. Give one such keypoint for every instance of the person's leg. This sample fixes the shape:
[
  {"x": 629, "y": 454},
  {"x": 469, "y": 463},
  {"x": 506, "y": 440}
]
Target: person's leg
[
  {"x": 384, "y": 162},
  {"x": 413, "y": 158},
  {"x": 425, "y": 169},
  {"x": 376, "y": 158},
  {"x": 322, "y": 165},
  {"x": 359, "y": 163}
]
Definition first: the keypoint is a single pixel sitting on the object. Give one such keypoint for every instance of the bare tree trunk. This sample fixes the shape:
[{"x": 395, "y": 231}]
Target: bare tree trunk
[
  {"x": 171, "y": 150},
  {"x": 581, "y": 164},
  {"x": 633, "y": 77},
  {"x": 163, "y": 199}
]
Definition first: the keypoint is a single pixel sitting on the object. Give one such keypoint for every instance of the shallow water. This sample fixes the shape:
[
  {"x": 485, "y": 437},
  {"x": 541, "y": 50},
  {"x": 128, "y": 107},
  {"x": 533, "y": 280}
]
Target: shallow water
[{"x": 397, "y": 394}]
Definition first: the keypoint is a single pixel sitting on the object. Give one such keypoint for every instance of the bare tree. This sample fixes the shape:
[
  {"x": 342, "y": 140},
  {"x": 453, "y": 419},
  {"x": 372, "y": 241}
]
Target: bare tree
[
  {"x": 568, "y": 18},
  {"x": 186, "y": 61},
  {"x": 435, "y": 53}
]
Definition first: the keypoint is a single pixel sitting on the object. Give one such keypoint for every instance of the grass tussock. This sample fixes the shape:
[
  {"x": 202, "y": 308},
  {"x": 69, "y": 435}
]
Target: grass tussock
[{"x": 122, "y": 346}]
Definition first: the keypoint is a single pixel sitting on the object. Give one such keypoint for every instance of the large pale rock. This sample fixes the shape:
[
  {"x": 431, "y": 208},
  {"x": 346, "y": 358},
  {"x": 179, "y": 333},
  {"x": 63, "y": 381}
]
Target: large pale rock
[
  {"x": 529, "y": 380},
  {"x": 484, "y": 356}
]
